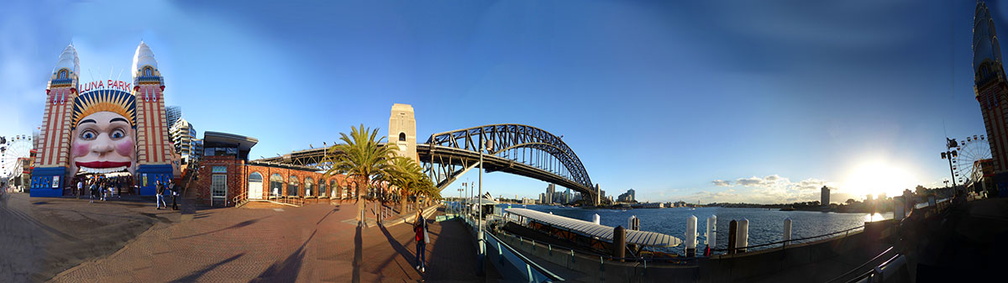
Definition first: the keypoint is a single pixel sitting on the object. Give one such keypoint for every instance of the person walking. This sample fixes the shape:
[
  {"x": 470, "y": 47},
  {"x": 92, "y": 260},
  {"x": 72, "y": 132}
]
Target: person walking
[
  {"x": 160, "y": 195},
  {"x": 80, "y": 188},
  {"x": 92, "y": 190},
  {"x": 420, "y": 235},
  {"x": 174, "y": 194}
]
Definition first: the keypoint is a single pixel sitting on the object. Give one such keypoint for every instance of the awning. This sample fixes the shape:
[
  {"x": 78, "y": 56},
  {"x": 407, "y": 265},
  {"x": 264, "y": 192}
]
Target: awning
[{"x": 590, "y": 229}]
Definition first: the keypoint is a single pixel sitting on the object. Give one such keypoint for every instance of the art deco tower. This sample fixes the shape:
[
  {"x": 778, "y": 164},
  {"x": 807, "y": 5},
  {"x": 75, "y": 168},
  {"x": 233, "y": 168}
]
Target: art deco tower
[
  {"x": 53, "y": 143},
  {"x": 154, "y": 147},
  {"x": 990, "y": 85}
]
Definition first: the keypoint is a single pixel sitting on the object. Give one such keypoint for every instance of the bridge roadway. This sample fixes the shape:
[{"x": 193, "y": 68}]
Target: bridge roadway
[{"x": 461, "y": 157}]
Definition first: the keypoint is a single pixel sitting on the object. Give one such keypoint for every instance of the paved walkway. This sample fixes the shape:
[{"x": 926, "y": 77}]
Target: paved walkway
[{"x": 259, "y": 242}]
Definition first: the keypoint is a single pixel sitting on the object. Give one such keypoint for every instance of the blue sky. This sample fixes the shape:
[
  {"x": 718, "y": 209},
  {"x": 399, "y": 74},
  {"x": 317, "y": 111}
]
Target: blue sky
[{"x": 763, "y": 101}]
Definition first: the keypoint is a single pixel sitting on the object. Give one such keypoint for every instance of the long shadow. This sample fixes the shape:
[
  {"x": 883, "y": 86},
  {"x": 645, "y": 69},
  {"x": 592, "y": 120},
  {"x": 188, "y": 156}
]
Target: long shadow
[
  {"x": 358, "y": 255},
  {"x": 326, "y": 216},
  {"x": 199, "y": 273},
  {"x": 236, "y": 226},
  {"x": 286, "y": 271},
  {"x": 402, "y": 250}
]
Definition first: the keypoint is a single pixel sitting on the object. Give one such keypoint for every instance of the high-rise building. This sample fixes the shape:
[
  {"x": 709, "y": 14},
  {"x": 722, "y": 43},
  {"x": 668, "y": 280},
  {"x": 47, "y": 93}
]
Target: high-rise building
[
  {"x": 991, "y": 88},
  {"x": 824, "y": 196},
  {"x": 629, "y": 196},
  {"x": 173, "y": 114},
  {"x": 550, "y": 192},
  {"x": 183, "y": 136}
]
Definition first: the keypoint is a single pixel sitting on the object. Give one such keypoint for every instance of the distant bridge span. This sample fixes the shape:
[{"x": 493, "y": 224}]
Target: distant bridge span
[{"x": 517, "y": 149}]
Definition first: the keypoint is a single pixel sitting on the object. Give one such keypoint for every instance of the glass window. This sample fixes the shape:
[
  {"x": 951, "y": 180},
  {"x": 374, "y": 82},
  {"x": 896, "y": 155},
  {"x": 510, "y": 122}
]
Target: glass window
[
  {"x": 322, "y": 188},
  {"x": 292, "y": 186},
  {"x": 219, "y": 169},
  {"x": 276, "y": 185},
  {"x": 402, "y": 136},
  {"x": 255, "y": 177},
  {"x": 308, "y": 182},
  {"x": 218, "y": 185}
]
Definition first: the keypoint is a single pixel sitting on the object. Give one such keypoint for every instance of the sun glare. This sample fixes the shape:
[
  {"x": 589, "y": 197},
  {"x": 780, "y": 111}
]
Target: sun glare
[{"x": 875, "y": 177}]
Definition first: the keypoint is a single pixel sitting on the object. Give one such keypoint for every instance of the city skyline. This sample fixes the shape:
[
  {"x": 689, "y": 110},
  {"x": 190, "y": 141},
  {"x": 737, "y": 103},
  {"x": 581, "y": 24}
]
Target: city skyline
[{"x": 717, "y": 102}]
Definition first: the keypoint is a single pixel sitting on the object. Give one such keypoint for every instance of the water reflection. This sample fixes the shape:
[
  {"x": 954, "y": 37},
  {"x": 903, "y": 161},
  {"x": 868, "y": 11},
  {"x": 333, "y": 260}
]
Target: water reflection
[{"x": 873, "y": 217}]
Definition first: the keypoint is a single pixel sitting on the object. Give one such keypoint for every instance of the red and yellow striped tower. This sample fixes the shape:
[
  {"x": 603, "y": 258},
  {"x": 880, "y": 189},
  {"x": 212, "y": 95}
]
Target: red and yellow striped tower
[
  {"x": 50, "y": 173},
  {"x": 154, "y": 154}
]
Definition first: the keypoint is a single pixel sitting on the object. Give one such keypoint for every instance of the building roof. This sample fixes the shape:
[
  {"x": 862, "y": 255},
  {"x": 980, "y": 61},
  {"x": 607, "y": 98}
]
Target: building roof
[
  {"x": 590, "y": 229},
  {"x": 68, "y": 59},
  {"x": 244, "y": 143},
  {"x": 143, "y": 57}
]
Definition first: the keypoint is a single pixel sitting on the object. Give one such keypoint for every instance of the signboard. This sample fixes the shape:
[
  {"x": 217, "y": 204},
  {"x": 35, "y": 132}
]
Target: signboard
[{"x": 107, "y": 84}]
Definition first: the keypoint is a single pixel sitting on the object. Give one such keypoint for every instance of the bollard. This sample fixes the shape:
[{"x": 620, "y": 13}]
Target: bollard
[
  {"x": 596, "y": 219},
  {"x": 691, "y": 236},
  {"x": 634, "y": 223},
  {"x": 743, "y": 234},
  {"x": 787, "y": 230},
  {"x": 732, "y": 236},
  {"x": 711, "y": 235},
  {"x": 619, "y": 242}
]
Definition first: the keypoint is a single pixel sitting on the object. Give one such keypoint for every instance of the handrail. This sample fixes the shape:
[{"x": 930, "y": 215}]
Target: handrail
[
  {"x": 792, "y": 240},
  {"x": 863, "y": 265}
]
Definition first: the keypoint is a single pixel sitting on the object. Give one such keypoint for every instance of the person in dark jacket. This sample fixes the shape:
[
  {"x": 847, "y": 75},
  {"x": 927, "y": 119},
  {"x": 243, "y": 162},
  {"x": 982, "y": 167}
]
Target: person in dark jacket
[{"x": 160, "y": 195}]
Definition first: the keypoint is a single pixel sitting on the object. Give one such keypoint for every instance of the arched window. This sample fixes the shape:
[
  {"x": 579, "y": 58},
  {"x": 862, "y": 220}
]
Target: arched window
[
  {"x": 337, "y": 191},
  {"x": 63, "y": 74},
  {"x": 402, "y": 136},
  {"x": 148, "y": 71},
  {"x": 255, "y": 177},
  {"x": 276, "y": 185},
  {"x": 322, "y": 188},
  {"x": 293, "y": 186},
  {"x": 308, "y": 182}
]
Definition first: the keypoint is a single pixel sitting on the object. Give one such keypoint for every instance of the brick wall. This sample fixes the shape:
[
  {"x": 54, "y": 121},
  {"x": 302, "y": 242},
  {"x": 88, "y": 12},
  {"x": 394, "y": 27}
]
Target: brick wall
[{"x": 237, "y": 179}]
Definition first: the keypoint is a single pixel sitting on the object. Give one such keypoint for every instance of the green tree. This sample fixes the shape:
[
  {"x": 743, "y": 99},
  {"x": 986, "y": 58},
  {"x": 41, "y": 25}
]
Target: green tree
[
  {"x": 361, "y": 157},
  {"x": 408, "y": 178}
]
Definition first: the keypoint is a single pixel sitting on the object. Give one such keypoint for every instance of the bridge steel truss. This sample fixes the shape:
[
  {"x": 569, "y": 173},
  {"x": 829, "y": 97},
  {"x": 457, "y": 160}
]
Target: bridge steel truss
[{"x": 517, "y": 149}]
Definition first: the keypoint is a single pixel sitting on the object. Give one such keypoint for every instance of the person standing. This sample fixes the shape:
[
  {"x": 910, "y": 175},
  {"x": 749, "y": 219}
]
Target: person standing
[
  {"x": 80, "y": 188},
  {"x": 420, "y": 235},
  {"x": 174, "y": 194},
  {"x": 160, "y": 195}
]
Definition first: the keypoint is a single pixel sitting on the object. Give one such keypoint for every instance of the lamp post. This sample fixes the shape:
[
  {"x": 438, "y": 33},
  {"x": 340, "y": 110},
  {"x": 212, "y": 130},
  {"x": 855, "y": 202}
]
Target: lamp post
[
  {"x": 949, "y": 154},
  {"x": 487, "y": 145}
]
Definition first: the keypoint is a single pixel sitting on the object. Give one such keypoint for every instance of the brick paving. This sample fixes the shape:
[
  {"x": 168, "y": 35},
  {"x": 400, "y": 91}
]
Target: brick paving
[{"x": 260, "y": 242}]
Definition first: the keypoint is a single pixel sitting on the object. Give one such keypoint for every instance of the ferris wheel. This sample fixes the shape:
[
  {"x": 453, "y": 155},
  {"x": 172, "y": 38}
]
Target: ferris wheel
[
  {"x": 12, "y": 150},
  {"x": 970, "y": 152}
]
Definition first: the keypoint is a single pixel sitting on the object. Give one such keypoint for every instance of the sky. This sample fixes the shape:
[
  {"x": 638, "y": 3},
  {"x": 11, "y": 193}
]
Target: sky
[{"x": 699, "y": 101}]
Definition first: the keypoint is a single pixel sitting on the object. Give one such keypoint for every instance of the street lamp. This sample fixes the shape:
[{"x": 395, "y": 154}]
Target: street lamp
[
  {"x": 488, "y": 146},
  {"x": 949, "y": 154}
]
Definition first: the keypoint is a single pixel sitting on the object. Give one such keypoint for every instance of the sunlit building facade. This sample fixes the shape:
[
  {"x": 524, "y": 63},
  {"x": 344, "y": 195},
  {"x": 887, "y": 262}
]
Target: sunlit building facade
[{"x": 991, "y": 89}]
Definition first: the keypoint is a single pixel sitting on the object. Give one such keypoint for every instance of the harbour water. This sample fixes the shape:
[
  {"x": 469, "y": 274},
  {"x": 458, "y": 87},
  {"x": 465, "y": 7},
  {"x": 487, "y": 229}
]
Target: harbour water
[{"x": 765, "y": 225}]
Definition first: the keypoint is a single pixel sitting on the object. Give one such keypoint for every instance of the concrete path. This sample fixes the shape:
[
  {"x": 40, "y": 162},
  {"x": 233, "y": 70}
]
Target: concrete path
[{"x": 260, "y": 242}]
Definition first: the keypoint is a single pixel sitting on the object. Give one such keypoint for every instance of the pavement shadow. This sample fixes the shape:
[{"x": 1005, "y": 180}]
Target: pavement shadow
[
  {"x": 236, "y": 226},
  {"x": 287, "y": 270},
  {"x": 398, "y": 247},
  {"x": 358, "y": 255},
  {"x": 192, "y": 277}
]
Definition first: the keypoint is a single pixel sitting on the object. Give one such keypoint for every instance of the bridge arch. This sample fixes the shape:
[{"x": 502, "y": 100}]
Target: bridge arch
[{"x": 517, "y": 149}]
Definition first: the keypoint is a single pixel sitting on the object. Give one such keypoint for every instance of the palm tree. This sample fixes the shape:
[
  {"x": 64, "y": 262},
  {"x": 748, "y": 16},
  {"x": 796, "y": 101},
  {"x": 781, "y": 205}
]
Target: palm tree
[
  {"x": 361, "y": 157},
  {"x": 408, "y": 177}
]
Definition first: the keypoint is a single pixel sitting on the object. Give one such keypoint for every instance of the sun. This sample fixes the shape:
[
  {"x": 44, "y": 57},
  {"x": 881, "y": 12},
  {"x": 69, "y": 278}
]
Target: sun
[{"x": 878, "y": 176}]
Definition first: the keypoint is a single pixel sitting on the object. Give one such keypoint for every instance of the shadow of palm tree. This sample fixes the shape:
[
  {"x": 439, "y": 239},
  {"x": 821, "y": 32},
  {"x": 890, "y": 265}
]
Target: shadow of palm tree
[
  {"x": 358, "y": 255},
  {"x": 192, "y": 277},
  {"x": 402, "y": 250},
  {"x": 287, "y": 270},
  {"x": 236, "y": 226}
]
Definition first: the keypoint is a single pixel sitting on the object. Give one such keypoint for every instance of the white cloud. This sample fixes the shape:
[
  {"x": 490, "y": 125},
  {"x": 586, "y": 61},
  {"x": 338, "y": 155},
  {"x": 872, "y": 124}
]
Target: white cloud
[{"x": 722, "y": 183}]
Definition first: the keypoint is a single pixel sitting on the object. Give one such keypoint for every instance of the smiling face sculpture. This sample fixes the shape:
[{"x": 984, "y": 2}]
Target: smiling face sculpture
[{"x": 104, "y": 133}]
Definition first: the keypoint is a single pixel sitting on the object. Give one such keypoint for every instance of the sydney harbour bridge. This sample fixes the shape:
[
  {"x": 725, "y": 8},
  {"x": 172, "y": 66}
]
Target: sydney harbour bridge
[{"x": 512, "y": 148}]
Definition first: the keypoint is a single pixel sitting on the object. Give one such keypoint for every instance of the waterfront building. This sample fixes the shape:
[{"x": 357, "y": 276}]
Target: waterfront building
[
  {"x": 75, "y": 110},
  {"x": 990, "y": 89},
  {"x": 824, "y": 196},
  {"x": 550, "y": 192},
  {"x": 173, "y": 113},
  {"x": 629, "y": 196}
]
